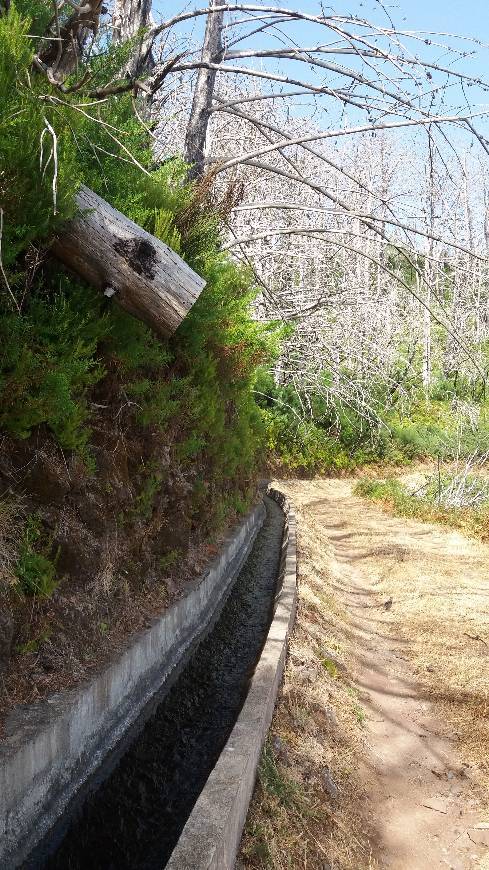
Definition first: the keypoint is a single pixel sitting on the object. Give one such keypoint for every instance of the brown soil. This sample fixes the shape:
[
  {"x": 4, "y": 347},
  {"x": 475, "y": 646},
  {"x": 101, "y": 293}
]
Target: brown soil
[
  {"x": 125, "y": 541},
  {"x": 387, "y": 744}
]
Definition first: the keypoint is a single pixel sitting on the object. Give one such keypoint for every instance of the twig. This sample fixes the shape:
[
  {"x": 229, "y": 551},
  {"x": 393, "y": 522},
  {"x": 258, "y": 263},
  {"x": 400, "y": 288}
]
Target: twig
[
  {"x": 54, "y": 156},
  {"x": 475, "y": 637},
  {"x": 2, "y": 270}
]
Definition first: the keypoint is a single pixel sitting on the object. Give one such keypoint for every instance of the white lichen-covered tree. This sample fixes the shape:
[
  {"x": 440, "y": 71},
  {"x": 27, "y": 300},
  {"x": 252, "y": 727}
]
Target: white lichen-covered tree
[{"x": 361, "y": 216}]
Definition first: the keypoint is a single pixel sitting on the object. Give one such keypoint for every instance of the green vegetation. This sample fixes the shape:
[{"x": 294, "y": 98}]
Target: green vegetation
[
  {"x": 333, "y": 437},
  {"x": 457, "y": 499},
  {"x": 205, "y": 398},
  {"x": 35, "y": 570},
  {"x": 33, "y": 645},
  {"x": 275, "y": 782},
  {"x": 63, "y": 345},
  {"x": 60, "y": 339},
  {"x": 330, "y": 666},
  {"x": 49, "y": 362}
]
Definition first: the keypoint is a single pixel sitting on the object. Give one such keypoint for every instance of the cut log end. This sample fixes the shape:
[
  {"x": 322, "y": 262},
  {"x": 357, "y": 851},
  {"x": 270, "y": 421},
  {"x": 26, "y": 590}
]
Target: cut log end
[{"x": 140, "y": 272}]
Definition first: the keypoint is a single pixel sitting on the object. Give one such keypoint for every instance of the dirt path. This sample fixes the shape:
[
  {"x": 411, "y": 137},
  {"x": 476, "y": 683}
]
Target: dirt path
[{"x": 416, "y": 599}]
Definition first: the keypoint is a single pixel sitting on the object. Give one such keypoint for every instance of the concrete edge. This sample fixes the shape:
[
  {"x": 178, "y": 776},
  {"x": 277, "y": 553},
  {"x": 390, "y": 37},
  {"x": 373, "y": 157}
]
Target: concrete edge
[
  {"x": 53, "y": 748},
  {"x": 211, "y": 836}
]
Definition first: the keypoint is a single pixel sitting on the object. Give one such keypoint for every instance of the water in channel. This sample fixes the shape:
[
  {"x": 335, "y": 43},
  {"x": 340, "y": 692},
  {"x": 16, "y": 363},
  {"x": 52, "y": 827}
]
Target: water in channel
[{"x": 134, "y": 818}]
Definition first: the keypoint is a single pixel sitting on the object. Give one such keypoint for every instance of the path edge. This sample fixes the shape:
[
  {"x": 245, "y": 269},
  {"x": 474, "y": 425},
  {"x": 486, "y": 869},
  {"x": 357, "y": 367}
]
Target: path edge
[{"x": 211, "y": 837}]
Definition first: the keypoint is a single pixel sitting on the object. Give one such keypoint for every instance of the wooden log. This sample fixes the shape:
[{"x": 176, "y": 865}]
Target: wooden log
[{"x": 117, "y": 256}]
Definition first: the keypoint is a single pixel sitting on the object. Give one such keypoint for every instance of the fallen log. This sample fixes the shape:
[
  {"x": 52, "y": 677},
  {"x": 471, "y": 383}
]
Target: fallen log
[{"x": 117, "y": 256}]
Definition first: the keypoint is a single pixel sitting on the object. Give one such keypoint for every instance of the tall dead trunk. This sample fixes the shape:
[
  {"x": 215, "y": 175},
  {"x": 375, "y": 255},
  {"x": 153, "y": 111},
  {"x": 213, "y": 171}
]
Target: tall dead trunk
[
  {"x": 204, "y": 89},
  {"x": 426, "y": 374},
  {"x": 129, "y": 18}
]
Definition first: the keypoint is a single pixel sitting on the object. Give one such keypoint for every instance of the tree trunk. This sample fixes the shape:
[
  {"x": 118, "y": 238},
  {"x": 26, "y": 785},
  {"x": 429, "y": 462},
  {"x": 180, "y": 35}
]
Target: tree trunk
[
  {"x": 204, "y": 90},
  {"x": 128, "y": 19},
  {"x": 117, "y": 256},
  {"x": 63, "y": 53}
]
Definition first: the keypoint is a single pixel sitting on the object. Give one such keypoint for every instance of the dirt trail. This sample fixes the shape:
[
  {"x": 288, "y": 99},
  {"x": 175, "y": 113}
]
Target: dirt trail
[{"x": 417, "y": 599}]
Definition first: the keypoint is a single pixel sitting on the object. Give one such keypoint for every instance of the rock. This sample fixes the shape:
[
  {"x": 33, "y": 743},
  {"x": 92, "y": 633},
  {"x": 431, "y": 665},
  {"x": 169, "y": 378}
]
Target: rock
[
  {"x": 305, "y": 674},
  {"x": 277, "y": 744},
  {"x": 329, "y": 784},
  {"x": 331, "y": 716},
  {"x": 280, "y": 749}
]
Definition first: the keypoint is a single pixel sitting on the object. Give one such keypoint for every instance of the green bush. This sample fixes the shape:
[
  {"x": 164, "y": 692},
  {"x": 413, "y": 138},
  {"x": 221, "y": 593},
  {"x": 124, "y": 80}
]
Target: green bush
[
  {"x": 58, "y": 338},
  {"x": 195, "y": 391},
  {"x": 35, "y": 571},
  {"x": 48, "y": 363},
  {"x": 32, "y": 209}
]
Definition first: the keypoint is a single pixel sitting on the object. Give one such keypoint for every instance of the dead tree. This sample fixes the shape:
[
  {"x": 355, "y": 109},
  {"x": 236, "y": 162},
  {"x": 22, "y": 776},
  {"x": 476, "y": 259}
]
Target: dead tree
[
  {"x": 61, "y": 56},
  {"x": 361, "y": 78},
  {"x": 204, "y": 91},
  {"x": 130, "y": 19}
]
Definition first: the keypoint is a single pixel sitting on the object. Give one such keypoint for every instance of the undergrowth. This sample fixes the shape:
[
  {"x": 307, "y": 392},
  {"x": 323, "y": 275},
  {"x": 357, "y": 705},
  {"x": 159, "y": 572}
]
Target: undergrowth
[
  {"x": 322, "y": 435},
  {"x": 425, "y": 503},
  {"x": 35, "y": 569},
  {"x": 123, "y": 455}
]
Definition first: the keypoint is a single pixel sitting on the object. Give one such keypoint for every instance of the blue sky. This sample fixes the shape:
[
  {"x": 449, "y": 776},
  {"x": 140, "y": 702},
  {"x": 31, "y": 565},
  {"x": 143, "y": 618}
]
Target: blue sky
[
  {"x": 462, "y": 17},
  {"x": 470, "y": 17}
]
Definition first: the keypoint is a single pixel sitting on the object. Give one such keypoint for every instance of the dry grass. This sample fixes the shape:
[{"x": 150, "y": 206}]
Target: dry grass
[
  {"x": 296, "y": 820},
  {"x": 438, "y": 581},
  {"x": 11, "y": 515},
  {"x": 441, "y": 589}
]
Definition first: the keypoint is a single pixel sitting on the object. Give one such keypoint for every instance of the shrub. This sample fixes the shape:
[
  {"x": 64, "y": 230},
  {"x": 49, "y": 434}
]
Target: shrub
[
  {"x": 32, "y": 209},
  {"x": 194, "y": 390},
  {"x": 35, "y": 571},
  {"x": 48, "y": 362}
]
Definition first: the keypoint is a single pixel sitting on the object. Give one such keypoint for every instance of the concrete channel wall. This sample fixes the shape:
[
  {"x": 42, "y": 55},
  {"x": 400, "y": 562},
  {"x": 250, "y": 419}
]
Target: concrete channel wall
[
  {"x": 52, "y": 748},
  {"x": 210, "y": 839}
]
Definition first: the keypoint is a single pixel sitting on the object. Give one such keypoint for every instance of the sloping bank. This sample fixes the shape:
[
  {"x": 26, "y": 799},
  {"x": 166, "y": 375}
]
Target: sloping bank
[{"x": 58, "y": 755}]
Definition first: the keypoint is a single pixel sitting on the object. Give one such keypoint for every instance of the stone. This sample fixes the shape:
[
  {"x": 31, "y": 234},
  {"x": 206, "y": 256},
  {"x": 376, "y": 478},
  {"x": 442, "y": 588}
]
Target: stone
[
  {"x": 305, "y": 674},
  {"x": 329, "y": 784},
  {"x": 331, "y": 715}
]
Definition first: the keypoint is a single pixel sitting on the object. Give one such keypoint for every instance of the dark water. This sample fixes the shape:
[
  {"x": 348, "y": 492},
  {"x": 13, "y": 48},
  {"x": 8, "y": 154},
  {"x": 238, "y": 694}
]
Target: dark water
[{"x": 136, "y": 816}]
